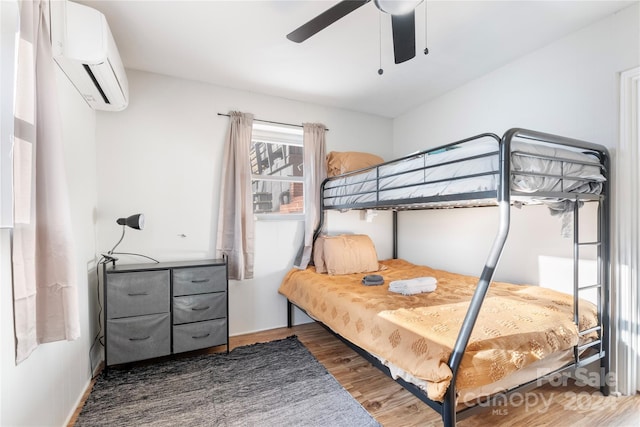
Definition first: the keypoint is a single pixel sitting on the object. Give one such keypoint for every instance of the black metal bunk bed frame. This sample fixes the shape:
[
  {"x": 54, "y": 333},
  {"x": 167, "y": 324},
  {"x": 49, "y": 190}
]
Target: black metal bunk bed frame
[{"x": 502, "y": 197}]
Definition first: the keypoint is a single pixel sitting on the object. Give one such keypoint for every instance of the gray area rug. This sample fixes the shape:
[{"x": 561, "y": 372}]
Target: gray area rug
[{"x": 279, "y": 383}]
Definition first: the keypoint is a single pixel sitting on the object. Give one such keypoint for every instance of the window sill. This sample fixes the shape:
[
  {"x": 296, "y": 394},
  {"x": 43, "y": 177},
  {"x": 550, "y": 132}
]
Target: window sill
[{"x": 278, "y": 217}]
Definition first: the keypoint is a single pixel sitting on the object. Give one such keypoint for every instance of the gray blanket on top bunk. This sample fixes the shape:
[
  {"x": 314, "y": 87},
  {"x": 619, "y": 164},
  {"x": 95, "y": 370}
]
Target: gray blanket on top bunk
[{"x": 472, "y": 168}]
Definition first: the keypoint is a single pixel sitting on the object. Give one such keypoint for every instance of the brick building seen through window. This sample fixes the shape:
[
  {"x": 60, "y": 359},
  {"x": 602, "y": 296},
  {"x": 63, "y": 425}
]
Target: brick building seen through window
[{"x": 277, "y": 170}]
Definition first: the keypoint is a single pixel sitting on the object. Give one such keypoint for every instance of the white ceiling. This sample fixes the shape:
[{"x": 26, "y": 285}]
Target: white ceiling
[{"x": 242, "y": 45}]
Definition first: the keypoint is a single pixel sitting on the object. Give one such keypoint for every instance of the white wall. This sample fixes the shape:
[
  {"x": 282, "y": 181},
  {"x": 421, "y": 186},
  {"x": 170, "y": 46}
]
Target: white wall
[
  {"x": 44, "y": 390},
  {"x": 162, "y": 157},
  {"x": 570, "y": 88}
]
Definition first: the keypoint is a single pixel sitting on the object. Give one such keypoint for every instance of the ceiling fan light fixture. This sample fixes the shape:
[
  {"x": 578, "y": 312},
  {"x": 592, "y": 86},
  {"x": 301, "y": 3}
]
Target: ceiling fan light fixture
[{"x": 397, "y": 7}]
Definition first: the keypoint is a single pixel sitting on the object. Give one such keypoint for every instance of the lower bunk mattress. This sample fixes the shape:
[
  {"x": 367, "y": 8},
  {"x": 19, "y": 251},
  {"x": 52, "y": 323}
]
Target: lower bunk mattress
[{"x": 522, "y": 332}]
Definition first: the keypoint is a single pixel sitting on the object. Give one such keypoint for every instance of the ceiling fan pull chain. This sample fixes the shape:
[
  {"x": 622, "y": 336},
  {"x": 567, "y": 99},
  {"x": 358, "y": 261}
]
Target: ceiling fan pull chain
[
  {"x": 380, "y": 70},
  {"x": 426, "y": 49}
]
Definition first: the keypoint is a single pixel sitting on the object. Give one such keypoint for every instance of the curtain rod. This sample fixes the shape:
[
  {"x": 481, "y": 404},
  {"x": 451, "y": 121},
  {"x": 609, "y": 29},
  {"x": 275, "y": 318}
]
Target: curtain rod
[{"x": 272, "y": 122}]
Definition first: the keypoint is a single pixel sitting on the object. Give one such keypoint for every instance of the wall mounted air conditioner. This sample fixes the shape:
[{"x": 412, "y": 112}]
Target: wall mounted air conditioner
[{"x": 84, "y": 48}]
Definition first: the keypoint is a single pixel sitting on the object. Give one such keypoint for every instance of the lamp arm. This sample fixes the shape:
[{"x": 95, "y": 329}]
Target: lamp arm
[{"x": 116, "y": 245}]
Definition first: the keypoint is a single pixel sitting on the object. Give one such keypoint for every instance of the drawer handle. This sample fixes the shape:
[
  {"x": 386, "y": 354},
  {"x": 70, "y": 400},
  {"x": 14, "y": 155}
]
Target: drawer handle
[
  {"x": 140, "y": 339},
  {"x": 138, "y": 294},
  {"x": 200, "y": 281},
  {"x": 200, "y": 308},
  {"x": 198, "y": 337}
]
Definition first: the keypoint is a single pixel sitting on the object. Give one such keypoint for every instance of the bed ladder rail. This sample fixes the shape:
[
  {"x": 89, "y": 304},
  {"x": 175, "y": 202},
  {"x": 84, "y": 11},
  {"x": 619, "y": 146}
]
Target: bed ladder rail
[{"x": 579, "y": 349}]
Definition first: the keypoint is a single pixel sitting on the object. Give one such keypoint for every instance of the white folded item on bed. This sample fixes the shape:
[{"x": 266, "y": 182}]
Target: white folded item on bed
[{"x": 414, "y": 286}]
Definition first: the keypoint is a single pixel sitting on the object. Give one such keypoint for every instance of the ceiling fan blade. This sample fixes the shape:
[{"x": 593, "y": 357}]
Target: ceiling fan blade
[
  {"x": 325, "y": 19},
  {"x": 404, "y": 36}
]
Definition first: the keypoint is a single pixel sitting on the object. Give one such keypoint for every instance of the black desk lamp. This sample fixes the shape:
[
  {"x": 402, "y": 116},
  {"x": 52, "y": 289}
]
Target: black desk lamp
[{"x": 134, "y": 221}]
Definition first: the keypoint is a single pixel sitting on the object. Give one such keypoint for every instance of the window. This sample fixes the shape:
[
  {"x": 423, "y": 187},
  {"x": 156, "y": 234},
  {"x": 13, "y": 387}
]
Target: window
[{"x": 277, "y": 174}]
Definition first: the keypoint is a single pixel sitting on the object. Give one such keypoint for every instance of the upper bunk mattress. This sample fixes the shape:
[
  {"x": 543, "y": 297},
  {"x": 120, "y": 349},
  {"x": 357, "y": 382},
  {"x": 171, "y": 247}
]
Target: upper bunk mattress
[
  {"x": 469, "y": 168},
  {"x": 518, "y": 326}
]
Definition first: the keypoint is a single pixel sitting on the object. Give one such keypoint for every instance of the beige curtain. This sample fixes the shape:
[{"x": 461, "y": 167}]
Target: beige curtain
[
  {"x": 235, "y": 217},
  {"x": 314, "y": 173},
  {"x": 44, "y": 274}
]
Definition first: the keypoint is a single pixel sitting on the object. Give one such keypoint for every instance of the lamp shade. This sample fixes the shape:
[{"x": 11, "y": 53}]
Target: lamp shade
[{"x": 134, "y": 221}]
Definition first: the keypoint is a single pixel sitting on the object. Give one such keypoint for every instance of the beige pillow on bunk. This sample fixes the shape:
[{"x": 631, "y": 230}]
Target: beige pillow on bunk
[
  {"x": 347, "y": 161},
  {"x": 318, "y": 255},
  {"x": 349, "y": 254}
]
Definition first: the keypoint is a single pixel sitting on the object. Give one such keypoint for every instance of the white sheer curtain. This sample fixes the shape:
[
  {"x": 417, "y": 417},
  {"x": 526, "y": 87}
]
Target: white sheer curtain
[
  {"x": 235, "y": 217},
  {"x": 44, "y": 274},
  {"x": 315, "y": 172}
]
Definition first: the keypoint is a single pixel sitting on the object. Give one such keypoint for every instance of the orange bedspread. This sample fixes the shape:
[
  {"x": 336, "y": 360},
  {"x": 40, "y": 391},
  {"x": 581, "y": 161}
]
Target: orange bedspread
[{"x": 517, "y": 326}]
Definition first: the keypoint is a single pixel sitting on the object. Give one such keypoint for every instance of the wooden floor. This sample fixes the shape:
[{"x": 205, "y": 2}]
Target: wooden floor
[{"x": 393, "y": 406}]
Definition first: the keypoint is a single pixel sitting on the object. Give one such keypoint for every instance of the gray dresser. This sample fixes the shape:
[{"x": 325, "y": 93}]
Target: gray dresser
[{"x": 154, "y": 310}]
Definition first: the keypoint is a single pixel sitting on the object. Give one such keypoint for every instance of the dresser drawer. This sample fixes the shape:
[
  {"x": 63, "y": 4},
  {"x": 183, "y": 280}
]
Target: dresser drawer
[
  {"x": 138, "y": 338},
  {"x": 193, "y": 336},
  {"x": 137, "y": 293},
  {"x": 199, "y": 280},
  {"x": 194, "y": 308}
]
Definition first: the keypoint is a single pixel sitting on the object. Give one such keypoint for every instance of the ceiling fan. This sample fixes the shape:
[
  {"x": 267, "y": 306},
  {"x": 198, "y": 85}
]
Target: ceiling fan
[{"x": 403, "y": 23}]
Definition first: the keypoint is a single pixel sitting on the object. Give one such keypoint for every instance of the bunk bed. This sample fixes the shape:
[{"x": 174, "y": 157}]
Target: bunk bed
[{"x": 523, "y": 167}]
